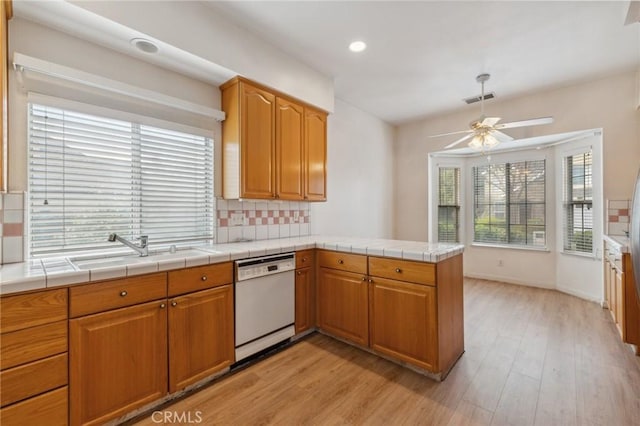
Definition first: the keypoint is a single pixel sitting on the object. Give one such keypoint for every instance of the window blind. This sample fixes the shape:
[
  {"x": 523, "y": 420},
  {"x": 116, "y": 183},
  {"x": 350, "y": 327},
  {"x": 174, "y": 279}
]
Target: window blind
[
  {"x": 509, "y": 203},
  {"x": 578, "y": 203},
  {"x": 90, "y": 176},
  {"x": 448, "y": 204}
]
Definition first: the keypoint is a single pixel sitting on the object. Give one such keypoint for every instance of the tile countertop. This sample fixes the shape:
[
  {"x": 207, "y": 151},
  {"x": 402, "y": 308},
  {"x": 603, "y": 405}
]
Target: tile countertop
[
  {"x": 618, "y": 241},
  {"x": 55, "y": 272}
]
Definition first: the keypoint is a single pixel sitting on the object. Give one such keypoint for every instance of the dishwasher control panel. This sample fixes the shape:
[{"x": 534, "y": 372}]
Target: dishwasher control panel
[{"x": 262, "y": 266}]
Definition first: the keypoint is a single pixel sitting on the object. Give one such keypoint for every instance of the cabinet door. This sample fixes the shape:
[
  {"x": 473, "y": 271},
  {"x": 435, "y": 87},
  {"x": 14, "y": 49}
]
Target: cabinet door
[
  {"x": 343, "y": 308},
  {"x": 315, "y": 151},
  {"x": 289, "y": 138},
  {"x": 403, "y": 321},
  {"x": 118, "y": 362},
  {"x": 607, "y": 282},
  {"x": 619, "y": 305},
  {"x": 257, "y": 123},
  {"x": 200, "y": 335},
  {"x": 305, "y": 301}
]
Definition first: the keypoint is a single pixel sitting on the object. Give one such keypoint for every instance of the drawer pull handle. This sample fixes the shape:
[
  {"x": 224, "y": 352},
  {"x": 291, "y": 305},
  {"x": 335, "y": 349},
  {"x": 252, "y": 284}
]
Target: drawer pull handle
[
  {"x": 304, "y": 259},
  {"x": 174, "y": 303},
  {"x": 340, "y": 261},
  {"x": 162, "y": 306},
  {"x": 203, "y": 278},
  {"x": 123, "y": 293},
  {"x": 398, "y": 270}
]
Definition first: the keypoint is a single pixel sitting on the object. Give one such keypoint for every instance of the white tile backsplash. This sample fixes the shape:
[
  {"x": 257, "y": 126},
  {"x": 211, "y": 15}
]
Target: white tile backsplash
[{"x": 12, "y": 249}]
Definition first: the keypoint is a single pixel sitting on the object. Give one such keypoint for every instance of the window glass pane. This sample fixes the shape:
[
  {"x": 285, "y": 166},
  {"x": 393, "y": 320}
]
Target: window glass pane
[
  {"x": 448, "y": 204},
  {"x": 510, "y": 203},
  {"x": 90, "y": 176},
  {"x": 578, "y": 203}
]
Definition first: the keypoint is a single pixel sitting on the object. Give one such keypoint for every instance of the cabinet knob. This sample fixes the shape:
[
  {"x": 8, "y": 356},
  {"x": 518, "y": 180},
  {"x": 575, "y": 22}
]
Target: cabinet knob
[
  {"x": 299, "y": 272},
  {"x": 162, "y": 306},
  {"x": 398, "y": 270},
  {"x": 364, "y": 278},
  {"x": 370, "y": 281},
  {"x": 174, "y": 303},
  {"x": 340, "y": 261},
  {"x": 304, "y": 259},
  {"x": 123, "y": 293},
  {"x": 203, "y": 278}
]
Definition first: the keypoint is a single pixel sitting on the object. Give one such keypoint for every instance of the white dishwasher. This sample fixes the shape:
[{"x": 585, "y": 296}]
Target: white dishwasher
[{"x": 264, "y": 302}]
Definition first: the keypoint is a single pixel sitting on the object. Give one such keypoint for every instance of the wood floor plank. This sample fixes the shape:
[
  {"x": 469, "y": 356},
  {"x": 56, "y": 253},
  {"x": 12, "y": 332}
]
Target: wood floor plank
[
  {"x": 533, "y": 356},
  {"x": 517, "y": 405}
]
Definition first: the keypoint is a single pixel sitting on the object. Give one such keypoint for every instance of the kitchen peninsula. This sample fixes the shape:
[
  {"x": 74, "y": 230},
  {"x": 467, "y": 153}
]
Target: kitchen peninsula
[{"x": 401, "y": 300}]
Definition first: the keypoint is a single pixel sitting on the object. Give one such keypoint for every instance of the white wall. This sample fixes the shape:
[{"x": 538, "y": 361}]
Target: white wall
[
  {"x": 44, "y": 43},
  {"x": 608, "y": 103},
  {"x": 200, "y": 30},
  {"x": 359, "y": 176}
]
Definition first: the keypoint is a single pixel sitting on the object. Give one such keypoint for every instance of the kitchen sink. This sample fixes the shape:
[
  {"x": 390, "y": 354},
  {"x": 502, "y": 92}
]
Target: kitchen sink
[
  {"x": 94, "y": 262},
  {"x": 105, "y": 262}
]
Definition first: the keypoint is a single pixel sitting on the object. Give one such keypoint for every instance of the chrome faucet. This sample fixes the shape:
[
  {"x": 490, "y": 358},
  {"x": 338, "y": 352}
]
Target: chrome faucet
[{"x": 142, "y": 249}]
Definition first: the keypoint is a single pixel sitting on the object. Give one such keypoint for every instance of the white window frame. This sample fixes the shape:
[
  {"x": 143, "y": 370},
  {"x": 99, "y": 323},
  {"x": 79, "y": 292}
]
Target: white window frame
[
  {"x": 434, "y": 164},
  {"x": 576, "y": 148},
  {"x": 130, "y": 117}
]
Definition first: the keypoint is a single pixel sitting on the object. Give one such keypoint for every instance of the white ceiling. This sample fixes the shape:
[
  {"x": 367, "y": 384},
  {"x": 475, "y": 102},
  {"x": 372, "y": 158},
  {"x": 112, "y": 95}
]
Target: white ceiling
[{"x": 422, "y": 57}]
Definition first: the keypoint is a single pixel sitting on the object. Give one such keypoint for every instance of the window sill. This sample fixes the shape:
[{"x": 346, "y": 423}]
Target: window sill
[
  {"x": 579, "y": 254},
  {"x": 512, "y": 247}
]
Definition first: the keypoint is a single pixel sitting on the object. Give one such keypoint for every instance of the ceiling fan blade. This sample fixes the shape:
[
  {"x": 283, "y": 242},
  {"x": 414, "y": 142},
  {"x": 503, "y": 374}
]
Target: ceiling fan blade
[
  {"x": 462, "y": 139},
  {"x": 502, "y": 137},
  {"x": 524, "y": 123},
  {"x": 451, "y": 133},
  {"x": 490, "y": 121}
]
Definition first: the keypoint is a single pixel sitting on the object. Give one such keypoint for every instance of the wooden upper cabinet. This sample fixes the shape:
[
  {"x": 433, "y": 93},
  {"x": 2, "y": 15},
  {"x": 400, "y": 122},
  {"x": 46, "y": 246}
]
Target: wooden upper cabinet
[
  {"x": 289, "y": 154},
  {"x": 257, "y": 142},
  {"x": 273, "y": 146},
  {"x": 315, "y": 147},
  {"x": 248, "y": 141}
]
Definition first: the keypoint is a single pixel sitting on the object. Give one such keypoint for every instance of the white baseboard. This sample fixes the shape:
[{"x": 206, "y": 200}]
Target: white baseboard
[
  {"x": 511, "y": 280},
  {"x": 537, "y": 284}
]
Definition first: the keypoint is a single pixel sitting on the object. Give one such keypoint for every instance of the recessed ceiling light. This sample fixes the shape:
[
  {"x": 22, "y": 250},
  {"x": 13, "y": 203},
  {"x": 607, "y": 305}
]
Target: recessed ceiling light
[
  {"x": 357, "y": 46},
  {"x": 145, "y": 45}
]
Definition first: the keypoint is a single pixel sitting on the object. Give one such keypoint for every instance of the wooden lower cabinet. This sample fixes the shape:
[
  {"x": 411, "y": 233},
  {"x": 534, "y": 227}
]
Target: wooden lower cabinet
[
  {"x": 200, "y": 335},
  {"x": 305, "y": 302},
  {"x": 46, "y": 409},
  {"x": 343, "y": 308},
  {"x": 118, "y": 361},
  {"x": 403, "y": 321},
  {"x": 33, "y": 358}
]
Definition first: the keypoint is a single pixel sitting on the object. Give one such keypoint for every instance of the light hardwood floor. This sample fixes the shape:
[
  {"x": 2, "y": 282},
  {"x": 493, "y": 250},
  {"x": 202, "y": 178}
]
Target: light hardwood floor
[{"x": 533, "y": 357}]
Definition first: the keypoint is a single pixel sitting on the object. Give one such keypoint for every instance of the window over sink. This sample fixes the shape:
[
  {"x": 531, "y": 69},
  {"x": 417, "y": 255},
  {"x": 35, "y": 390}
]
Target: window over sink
[{"x": 91, "y": 175}]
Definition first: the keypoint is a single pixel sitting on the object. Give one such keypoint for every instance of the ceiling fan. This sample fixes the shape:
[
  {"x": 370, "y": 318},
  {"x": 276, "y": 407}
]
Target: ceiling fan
[{"x": 485, "y": 131}]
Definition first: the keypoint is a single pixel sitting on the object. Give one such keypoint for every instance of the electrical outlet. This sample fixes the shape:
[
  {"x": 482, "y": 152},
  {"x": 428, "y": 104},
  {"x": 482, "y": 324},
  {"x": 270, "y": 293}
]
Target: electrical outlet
[
  {"x": 296, "y": 216},
  {"x": 236, "y": 219}
]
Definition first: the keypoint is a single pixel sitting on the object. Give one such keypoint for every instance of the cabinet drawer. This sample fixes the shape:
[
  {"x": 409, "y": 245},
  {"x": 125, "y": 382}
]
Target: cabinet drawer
[
  {"x": 403, "y": 270},
  {"x": 305, "y": 258},
  {"x": 34, "y": 378},
  {"x": 343, "y": 261},
  {"x": 200, "y": 278},
  {"x": 49, "y": 409},
  {"x": 33, "y": 343},
  {"x": 28, "y": 310},
  {"x": 107, "y": 295}
]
